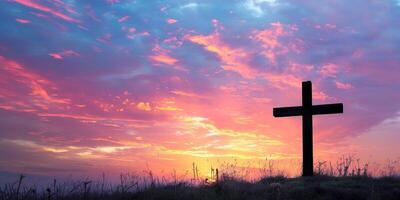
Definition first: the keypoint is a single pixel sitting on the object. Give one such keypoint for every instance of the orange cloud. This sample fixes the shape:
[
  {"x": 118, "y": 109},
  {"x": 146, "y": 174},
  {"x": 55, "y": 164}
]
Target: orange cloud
[
  {"x": 164, "y": 59},
  {"x": 233, "y": 59},
  {"x": 168, "y": 105},
  {"x": 144, "y": 106},
  {"x": 162, "y": 56}
]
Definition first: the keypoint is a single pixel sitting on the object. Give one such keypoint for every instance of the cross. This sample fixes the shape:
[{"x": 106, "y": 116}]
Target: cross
[{"x": 307, "y": 110}]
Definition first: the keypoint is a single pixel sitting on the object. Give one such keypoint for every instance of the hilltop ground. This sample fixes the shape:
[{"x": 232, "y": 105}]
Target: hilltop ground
[
  {"x": 319, "y": 187},
  {"x": 322, "y": 187}
]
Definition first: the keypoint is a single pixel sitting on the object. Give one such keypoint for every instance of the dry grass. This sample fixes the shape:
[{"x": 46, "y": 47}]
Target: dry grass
[{"x": 348, "y": 178}]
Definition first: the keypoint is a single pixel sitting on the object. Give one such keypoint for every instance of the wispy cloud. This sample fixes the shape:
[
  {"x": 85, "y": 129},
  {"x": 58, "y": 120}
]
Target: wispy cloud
[
  {"x": 63, "y": 54},
  {"x": 34, "y": 5},
  {"x": 23, "y": 21}
]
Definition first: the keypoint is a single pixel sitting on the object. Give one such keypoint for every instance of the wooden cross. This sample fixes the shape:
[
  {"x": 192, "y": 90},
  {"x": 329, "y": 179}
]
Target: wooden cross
[{"x": 307, "y": 110}]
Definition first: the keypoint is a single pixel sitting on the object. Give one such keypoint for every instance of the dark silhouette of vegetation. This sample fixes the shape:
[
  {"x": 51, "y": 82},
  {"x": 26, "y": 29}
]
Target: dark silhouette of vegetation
[{"x": 347, "y": 179}]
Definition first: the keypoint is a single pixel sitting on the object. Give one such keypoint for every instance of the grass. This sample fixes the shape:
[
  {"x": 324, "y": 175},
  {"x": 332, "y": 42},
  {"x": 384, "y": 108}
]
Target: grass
[
  {"x": 347, "y": 179},
  {"x": 277, "y": 187},
  {"x": 319, "y": 187}
]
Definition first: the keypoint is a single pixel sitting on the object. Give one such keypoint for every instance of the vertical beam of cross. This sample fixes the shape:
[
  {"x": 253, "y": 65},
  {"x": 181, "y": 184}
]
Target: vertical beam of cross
[
  {"x": 307, "y": 129},
  {"x": 307, "y": 110}
]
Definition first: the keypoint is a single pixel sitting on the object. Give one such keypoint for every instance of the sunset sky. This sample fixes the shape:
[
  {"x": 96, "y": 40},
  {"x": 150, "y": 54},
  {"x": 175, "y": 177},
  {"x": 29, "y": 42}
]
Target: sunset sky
[{"x": 120, "y": 85}]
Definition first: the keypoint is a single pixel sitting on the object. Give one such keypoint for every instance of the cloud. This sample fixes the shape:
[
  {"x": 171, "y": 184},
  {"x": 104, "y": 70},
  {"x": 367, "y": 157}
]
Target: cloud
[
  {"x": 256, "y": 6},
  {"x": 162, "y": 56},
  {"x": 237, "y": 59},
  {"x": 189, "y": 6},
  {"x": 271, "y": 44},
  {"x": 171, "y": 21},
  {"x": 232, "y": 59},
  {"x": 37, "y": 6},
  {"x": 344, "y": 86},
  {"x": 13, "y": 71},
  {"x": 329, "y": 70},
  {"x": 63, "y": 54},
  {"x": 23, "y": 21},
  {"x": 164, "y": 59},
  {"x": 123, "y": 19},
  {"x": 144, "y": 106}
]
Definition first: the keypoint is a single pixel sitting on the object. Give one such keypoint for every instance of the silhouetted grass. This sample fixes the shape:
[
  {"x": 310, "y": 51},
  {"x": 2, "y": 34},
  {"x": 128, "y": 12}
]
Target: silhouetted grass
[
  {"x": 319, "y": 187},
  {"x": 277, "y": 187},
  {"x": 347, "y": 179}
]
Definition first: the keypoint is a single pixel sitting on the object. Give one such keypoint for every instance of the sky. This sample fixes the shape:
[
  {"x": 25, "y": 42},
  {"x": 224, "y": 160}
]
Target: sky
[{"x": 113, "y": 86}]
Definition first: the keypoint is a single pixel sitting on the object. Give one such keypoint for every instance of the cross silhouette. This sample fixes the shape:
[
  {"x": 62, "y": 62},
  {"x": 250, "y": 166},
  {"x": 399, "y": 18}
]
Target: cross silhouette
[{"x": 307, "y": 110}]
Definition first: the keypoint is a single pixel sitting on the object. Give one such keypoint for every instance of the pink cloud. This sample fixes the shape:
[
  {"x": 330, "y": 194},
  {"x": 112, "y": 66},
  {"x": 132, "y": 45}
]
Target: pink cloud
[
  {"x": 344, "y": 86},
  {"x": 38, "y": 86},
  {"x": 173, "y": 42},
  {"x": 319, "y": 95},
  {"x": 131, "y": 32},
  {"x": 123, "y": 19},
  {"x": 66, "y": 6},
  {"x": 270, "y": 41},
  {"x": 55, "y": 56},
  {"x": 237, "y": 59},
  {"x": 171, "y": 21},
  {"x": 34, "y": 5},
  {"x": 329, "y": 70},
  {"x": 23, "y": 21},
  {"x": 62, "y": 54},
  {"x": 295, "y": 67},
  {"x": 283, "y": 80}
]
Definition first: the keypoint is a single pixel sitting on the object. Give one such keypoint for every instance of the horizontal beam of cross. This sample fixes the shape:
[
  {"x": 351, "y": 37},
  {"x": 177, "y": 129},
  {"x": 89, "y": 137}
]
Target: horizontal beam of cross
[{"x": 316, "y": 110}]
